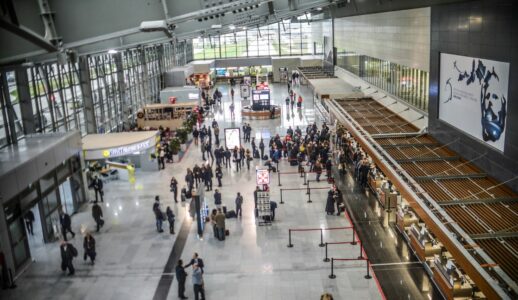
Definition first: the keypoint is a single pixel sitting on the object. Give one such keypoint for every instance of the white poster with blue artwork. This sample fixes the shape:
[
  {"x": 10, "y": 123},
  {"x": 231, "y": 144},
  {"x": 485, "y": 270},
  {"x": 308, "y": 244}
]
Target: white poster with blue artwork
[{"x": 473, "y": 96}]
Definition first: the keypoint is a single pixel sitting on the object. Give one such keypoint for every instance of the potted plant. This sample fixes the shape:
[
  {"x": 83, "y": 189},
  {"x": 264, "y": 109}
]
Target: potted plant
[{"x": 174, "y": 146}]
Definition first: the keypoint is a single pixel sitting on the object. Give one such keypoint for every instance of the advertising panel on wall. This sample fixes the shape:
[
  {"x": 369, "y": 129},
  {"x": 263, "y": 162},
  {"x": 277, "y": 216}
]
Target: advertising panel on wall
[
  {"x": 232, "y": 138},
  {"x": 473, "y": 97}
]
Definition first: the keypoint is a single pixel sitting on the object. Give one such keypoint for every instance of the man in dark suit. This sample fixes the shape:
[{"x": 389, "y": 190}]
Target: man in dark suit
[
  {"x": 97, "y": 214},
  {"x": 196, "y": 260},
  {"x": 66, "y": 224},
  {"x": 181, "y": 275},
  {"x": 97, "y": 184},
  {"x": 68, "y": 252}
]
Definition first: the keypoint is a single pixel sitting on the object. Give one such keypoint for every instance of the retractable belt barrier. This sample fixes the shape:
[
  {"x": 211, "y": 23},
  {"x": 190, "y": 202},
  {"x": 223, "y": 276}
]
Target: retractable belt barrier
[{"x": 290, "y": 245}]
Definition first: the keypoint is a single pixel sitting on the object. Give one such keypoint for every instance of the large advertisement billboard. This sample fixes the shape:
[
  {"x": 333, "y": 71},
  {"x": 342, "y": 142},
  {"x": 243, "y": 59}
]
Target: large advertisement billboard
[
  {"x": 473, "y": 96},
  {"x": 232, "y": 138}
]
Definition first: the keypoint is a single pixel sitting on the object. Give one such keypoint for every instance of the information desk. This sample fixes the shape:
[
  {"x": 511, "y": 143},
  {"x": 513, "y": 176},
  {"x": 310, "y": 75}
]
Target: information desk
[
  {"x": 166, "y": 115},
  {"x": 124, "y": 147}
]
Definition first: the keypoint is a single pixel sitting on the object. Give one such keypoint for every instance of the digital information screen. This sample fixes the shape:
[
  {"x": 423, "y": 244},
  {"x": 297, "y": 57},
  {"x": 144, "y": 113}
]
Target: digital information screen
[{"x": 232, "y": 138}]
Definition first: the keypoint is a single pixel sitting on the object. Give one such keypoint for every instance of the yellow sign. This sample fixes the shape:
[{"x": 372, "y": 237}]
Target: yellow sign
[{"x": 106, "y": 153}]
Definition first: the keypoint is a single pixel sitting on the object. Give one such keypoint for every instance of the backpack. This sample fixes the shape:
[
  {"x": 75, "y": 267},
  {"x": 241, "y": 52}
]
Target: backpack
[{"x": 73, "y": 249}]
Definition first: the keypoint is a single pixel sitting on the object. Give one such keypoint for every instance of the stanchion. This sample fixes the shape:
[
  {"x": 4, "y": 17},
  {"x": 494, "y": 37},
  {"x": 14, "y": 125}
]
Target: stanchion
[
  {"x": 332, "y": 275},
  {"x": 321, "y": 238},
  {"x": 309, "y": 195},
  {"x": 361, "y": 251},
  {"x": 368, "y": 276},
  {"x": 290, "y": 245},
  {"x": 305, "y": 178},
  {"x": 282, "y": 202},
  {"x": 307, "y": 189},
  {"x": 279, "y": 178},
  {"x": 354, "y": 231},
  {"x": 326, "y": 259}
]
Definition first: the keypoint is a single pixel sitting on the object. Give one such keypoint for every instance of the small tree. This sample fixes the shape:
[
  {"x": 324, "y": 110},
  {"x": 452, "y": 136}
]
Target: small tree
[
  {"x": 182, "y": 135},
  {"x": 174, "y": 145}
]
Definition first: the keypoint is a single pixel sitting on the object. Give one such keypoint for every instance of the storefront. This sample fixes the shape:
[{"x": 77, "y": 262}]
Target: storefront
[
  {"x": 42, "y": 175},
  {"x": 122, "y": 150}
]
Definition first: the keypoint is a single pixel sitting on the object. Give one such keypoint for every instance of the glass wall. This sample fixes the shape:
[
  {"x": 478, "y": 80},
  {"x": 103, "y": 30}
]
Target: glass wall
[
  {"x": 283, "y": 38},
  {"x": 55, "y": 92},
  {"x": 407, "y": 83}
]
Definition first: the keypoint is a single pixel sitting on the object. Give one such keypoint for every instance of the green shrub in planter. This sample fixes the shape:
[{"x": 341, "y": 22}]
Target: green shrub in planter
[
  {"x": 174, "y": 145},
  {"x": 182, "y": 135}
]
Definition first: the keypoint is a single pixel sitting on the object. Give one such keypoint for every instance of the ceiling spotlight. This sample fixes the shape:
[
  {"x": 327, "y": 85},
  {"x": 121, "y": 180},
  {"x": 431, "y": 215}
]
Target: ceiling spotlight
[
  {"x": 234, "y": 11},
  {"x": 199, "y": 20},
  {"x": 205, "y": 18},
  {"x": 240, "y": 10},
  {"x": 245, "y": 8},
  {"x": 222, "y": 14}
]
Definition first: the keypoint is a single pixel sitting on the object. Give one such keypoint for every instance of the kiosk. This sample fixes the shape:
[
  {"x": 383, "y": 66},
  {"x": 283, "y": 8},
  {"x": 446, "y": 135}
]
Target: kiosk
[
  {"x": 166, "y": 115},
  {"x": 261, "y": 107},
  {"x": 122, "y": 150}
]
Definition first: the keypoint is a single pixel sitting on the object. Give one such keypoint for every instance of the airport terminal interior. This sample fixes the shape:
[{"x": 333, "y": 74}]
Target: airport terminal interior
[{"x": 258, "y": 149}]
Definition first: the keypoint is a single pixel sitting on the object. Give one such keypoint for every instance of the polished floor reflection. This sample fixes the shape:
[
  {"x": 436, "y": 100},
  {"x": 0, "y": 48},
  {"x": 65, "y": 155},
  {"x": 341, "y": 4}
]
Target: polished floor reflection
[{"x": 254, "y": 262}]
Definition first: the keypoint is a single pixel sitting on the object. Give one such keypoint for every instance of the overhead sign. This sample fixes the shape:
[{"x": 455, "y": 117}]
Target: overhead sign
[
  {"x": 262, "y": 176},
  {"x": 119, "y": 151},
  {"x": 260, "y": 95},
  {"x": 473, "y": 97},
  {"x": 232, "y": 138}
]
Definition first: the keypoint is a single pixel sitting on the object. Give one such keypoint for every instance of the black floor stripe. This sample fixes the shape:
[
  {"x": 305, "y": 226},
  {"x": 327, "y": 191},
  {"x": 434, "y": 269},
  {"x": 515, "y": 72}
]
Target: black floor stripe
[{"x": 167, "y": 278}]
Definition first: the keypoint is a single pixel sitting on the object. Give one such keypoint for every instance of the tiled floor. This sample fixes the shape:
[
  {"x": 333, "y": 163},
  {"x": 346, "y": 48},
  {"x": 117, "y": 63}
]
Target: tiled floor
[{"x": 253, "y": 263}]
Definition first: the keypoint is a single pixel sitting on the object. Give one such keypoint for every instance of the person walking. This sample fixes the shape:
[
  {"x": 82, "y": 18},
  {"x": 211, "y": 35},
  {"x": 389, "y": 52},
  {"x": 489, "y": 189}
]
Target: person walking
[
  {"x": 174, "y": 189},
  {"x": 261, "y": 148},
  {"x": 89, "y": 247},
  {"x": 330, "y": 203},
  {"x": 97, "y": 185},
  {"x": 197, "y": 281},
  {"x": 248, "y": 158},
  {"x": 97, "y": 214},
  {"x": 181, "y": 276},
  {"x": 68, "y": 252},
  {"x": 66, "y": 225},
  {"x": 159, "y": 216},
  {"x": 273, "y": 207},
  {"x": 216, "y": 135},
  {"x": 161, "y": 158},
  {"x": 213, "y": 222},
  {"x": 29, "y": 219},
  {"x": 232, "y": 94},
  {"x": 220, "y": 224},
  {"x": 232, "y": 115},
  {"x": 195, "y": 135},
  {"x": 170, "y": 218},
  {"x": 239, "y": 203},
  {"x": 219, "y": 175}
]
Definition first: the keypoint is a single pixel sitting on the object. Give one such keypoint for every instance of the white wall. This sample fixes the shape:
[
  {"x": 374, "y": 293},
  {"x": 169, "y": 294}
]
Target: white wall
[{"x": 401, "y": 37}]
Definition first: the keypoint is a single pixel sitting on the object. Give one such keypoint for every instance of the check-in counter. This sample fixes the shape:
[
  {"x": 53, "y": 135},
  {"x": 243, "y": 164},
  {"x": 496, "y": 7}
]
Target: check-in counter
[
  {"x": 404, "y": 219},
  {"x": 452, "y": 283},
  {"x": 422, "y": 243}
]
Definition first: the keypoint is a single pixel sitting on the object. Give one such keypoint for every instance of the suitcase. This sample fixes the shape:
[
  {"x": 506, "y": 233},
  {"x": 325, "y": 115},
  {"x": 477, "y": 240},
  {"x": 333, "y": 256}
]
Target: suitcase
[
  {"x": 256, "y": 154},
  {"x": 293, "y": 162},
  {"x": 330, "y": 180},
  {"x": 265, "y": 157},
  {"x": 227, "y": 232}
]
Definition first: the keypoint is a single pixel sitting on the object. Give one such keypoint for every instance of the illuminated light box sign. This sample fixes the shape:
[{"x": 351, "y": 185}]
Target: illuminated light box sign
[
  {"x": 232, "y": 138},
  {"x": 262, "y": 176},
  {"x": 473, "y": 97},
  {"x": 119, "y": 151}
]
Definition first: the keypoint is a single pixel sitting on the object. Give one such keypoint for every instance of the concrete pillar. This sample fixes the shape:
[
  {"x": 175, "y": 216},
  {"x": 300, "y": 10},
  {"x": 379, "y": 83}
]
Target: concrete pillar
[
  {"x": 86, "y": 91},
  {"x": 24, "y": 98},
  {"x": 124, "y": 105}
]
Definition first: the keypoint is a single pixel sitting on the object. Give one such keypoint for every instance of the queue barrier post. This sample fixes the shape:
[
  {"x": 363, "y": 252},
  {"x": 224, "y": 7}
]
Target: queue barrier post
[
  {"x": 321, "y": 238},
  {"x": 290, "y": 245},
  {"x": 282, "y": 202},
  {"x": 305, "y": 178},
  {"x": 309, "y": 195},
  {"x": 279, "y": 177},
  {"x": 368, "y": 276},
  {"x": 332, "y": 275},
  {"x": 307, "y": 189},
  {"x": 354, "y": 231},
  {"x": 361, "y": 251},
  {"x": 326, "y": 259}
]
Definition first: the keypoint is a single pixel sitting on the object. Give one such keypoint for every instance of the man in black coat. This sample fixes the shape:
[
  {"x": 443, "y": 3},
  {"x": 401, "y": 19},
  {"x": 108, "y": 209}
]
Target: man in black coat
[
  {"x": 181, "y": 275},
  {"x": 196, "y": 260},
  {"x": 66, "y": 224},
  {"x": 97, "y": 184},
  {"x": 29, "y": 219},
  {"x": 97, "y": 214},
  {"x": 68, "y": 252}
]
